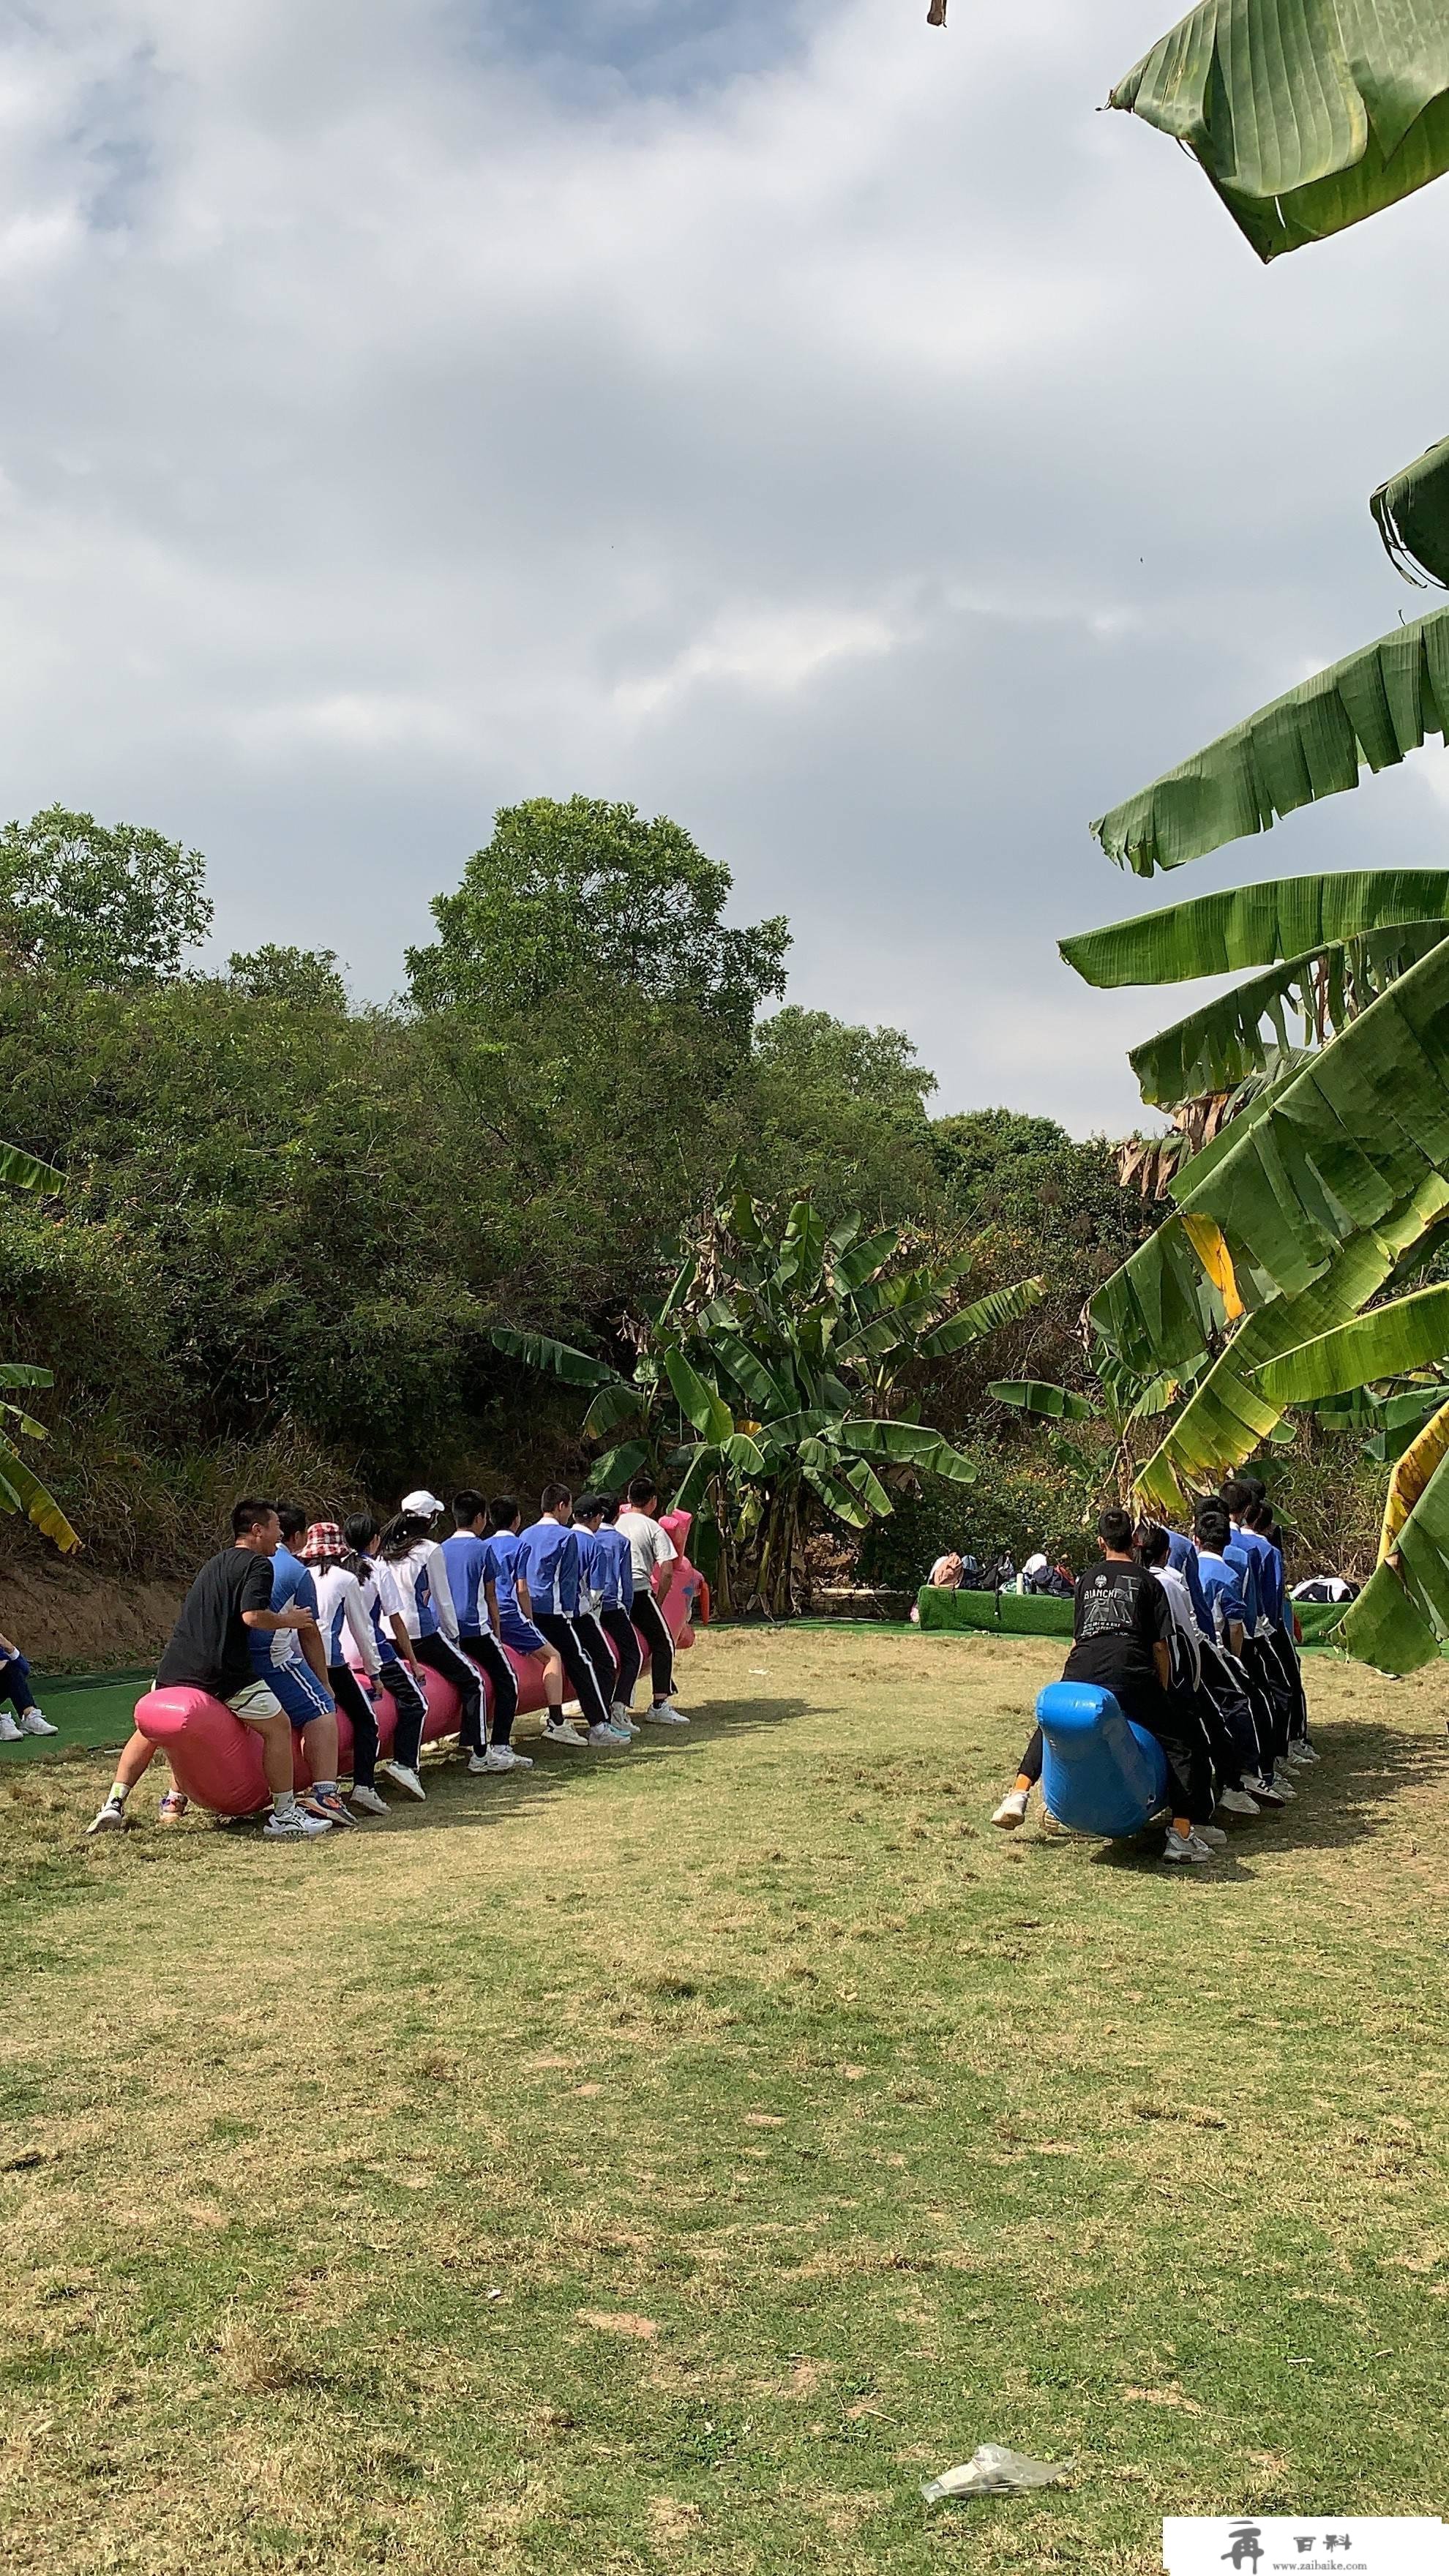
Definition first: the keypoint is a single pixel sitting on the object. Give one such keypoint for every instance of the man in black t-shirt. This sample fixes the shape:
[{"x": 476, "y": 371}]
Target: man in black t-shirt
[
  {"x": 210, "y": 1651},
  {"x": 1120, "y": 1630}
]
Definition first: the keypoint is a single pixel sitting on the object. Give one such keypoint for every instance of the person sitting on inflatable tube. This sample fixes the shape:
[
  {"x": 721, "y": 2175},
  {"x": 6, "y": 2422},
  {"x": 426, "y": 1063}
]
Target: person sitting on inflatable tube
[
  {"x": 210, "y": 1652},
  {"x": 219, "y": 1762},
  {"x": 1109, "y": 1741}
]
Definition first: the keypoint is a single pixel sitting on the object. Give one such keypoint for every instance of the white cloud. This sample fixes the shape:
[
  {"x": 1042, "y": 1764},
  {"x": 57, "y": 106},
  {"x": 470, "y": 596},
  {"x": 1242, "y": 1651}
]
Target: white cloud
[{"x": 831, "y": 432}]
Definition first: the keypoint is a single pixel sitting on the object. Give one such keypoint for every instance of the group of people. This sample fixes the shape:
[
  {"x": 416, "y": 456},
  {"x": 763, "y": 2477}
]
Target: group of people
[
  {"x": 1196, "y": 1640},
  {"x": 297, "y": 1619}
]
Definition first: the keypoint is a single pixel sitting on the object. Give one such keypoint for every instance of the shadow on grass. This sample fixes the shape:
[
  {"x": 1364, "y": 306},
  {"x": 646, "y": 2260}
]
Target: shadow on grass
[
  {"x": 458, "y": 1797},
  {"x": 1341, "y": 1800}
]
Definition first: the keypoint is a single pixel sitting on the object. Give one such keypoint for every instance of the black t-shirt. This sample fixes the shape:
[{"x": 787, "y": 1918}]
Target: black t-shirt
[
  {"x": 1122, "y": 1612},
  {"x": 210, "y": 1648}
]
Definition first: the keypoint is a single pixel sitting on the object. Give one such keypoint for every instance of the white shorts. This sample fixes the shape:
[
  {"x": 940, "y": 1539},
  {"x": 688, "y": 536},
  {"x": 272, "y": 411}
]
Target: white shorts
[{"x": 254, "y": 1701}]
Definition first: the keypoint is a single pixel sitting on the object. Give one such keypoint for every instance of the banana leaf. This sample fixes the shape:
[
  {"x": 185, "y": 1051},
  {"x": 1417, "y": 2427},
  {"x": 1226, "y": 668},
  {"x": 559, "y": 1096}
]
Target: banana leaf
[
  {"x": 613, "y": 1406},
  {"x": 758, "y": 1384},
  {"x": 1411, "y": 513},
  {"x": 702, "y": 1404},
  {"x": 1389, "y": 1342},
  {"x": 24, "y": 1373},
  {"x": 989, "y": 1313},
  {"x": 1226, "y": 1416},
  {"x": 1219, "y": 1047},
  {"x": 1033, "y": 1395},
  {"x": 23, "y": 1172},
  {"x": 1401, "y": 1617},
  {"x": 875, "y": 1340},
  {"x": 1370, "y": 710},
  {"x": 556, "y": 1358},
  {"x": 802, "y": 1249},
  {"x": 1256, "y": 925},
  {"x": 612, "y": 1471},
  {"x": 1364, "y": 1127},
  {"x": 21, "y": 1491},
  {"x": 853, "y": 1267},
  {"x": 1306, "y": 115},
  {"x": 905, "y": 1444}
]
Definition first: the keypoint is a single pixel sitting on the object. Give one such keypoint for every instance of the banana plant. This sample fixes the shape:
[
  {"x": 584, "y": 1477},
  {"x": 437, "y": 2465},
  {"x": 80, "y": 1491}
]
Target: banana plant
[
  {"x": 1317, "y": 1090},
  {"x": 1126, "y": 1401},
  {"x": 772, "y": 1383}
]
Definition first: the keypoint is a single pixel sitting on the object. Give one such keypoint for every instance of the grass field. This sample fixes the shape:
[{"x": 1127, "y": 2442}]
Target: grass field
[{"x": 667, "y": 2159}]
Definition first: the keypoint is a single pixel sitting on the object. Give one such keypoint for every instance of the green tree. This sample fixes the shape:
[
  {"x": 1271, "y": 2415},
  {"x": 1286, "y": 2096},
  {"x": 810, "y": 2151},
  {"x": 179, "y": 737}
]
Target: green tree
[
  {"x": 590, "y": 894},
  {"x": 113, "y": 906},
  {"x": 307, "y": 977}
]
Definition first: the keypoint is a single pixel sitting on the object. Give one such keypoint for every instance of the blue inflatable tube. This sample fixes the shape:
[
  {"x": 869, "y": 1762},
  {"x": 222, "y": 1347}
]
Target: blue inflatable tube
[{"x": 1102, "y": 1774}]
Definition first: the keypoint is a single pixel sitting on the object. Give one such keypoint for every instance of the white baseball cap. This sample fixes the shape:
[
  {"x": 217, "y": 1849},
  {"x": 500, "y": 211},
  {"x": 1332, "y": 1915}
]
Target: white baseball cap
[{"x": 424, "y": 1504}]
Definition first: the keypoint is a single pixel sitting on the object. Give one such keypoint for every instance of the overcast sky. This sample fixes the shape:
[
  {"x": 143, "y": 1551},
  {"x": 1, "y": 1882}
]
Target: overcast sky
[{"x": 832, "y": 432}]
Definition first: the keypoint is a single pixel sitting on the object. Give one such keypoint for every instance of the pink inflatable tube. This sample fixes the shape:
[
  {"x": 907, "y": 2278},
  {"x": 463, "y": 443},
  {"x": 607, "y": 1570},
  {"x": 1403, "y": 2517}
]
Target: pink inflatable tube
[{"x": 217, "y": 1761}]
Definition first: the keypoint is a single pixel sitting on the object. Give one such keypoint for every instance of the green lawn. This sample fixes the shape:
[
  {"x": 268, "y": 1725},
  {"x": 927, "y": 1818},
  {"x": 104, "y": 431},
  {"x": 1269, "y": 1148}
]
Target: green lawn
[{"x": 665, "y": 2160}]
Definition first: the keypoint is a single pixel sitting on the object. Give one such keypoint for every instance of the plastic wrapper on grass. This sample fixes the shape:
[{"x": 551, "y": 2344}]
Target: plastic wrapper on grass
[{"x": 992, "y": 2471}]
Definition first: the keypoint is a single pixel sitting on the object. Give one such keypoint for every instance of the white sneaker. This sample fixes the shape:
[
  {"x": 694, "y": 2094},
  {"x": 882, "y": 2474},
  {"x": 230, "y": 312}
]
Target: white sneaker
[
  {"x": 1052, "y": 1826},
  {"x": 369, "y": 1801},
  {"x": 1298, "y": 1757},
  {"x": 1212, "y": 1834},
  {"x": 666, "y": 1714},
  {"x": 34, "y": 1722},
  {"x": 621, "y": 1734},
  {"x": 564, "y": 1733},
  {"x": 1303, "y": 1751},
  {"x": 111, "y": 1820},
  {"x": 402, "y": 1778},
  {"x": 296, "y": 1827},
  {"x": 619, "y": 1715},
  {"x": 501, "y": 1757},
  {"x": 608, "y": 1735},
  {"x": 1266, "y": 1793},
  {"x": 1236, "y": 1802},
  {"x": 9, "y": 1731},
  {"x": 1184, "y": 1847},
  {"x": 1012, "y": 1810}
]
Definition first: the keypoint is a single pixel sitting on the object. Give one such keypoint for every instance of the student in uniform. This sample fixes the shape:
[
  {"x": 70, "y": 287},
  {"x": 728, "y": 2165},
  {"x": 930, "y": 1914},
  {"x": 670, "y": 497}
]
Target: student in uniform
[
  {"x": 611, "y": 1590},
  {"x": 1122, "y": 1624},
  {"x": 292, "y": 1665},
  {"x": 1227, "y": 1590},
  {"x": 466, "y": 1557},
  {"x": 652, "y": 1552},
  {"x": 546, "y": 1580},
  {"x": 512, "y": 1625},
  {"x": 1224, "y": 1719},
  {"x": 340, "y": 1609},
  {"x": 399, "y": 1669},
  {"x": 228, "y": 1605},
  {"x": 413, "y": 1559}
]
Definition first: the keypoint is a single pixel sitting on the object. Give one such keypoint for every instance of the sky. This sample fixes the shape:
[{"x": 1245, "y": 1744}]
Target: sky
[{"x": 833, "y": 432}]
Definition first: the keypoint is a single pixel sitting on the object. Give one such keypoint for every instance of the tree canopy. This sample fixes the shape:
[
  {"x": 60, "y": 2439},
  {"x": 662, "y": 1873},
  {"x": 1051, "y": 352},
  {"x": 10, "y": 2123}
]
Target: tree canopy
[
  {"x": 587, "y": 893},
  {"x": 115, "y": 906}
]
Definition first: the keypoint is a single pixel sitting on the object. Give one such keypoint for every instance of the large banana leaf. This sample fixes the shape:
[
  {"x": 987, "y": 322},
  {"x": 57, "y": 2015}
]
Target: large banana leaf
[
  {"x": 1227, "y": 1416},
  {"x": 1225, "y": 1043},
  {"x": 1402, "y": 1614},
  {"x": 853, "y": 1267},
  {"x": 23, "y": 1172},
  {"x": 612, "y": 1407},
  {"x": 906, "y": 1444},
  {"x": 1371, "y": 709},
  {"x": 1256, "y": 925},
  {"x": 1391, "y": 1341},
  {"x": 557, "y": 1359},
  {"x": 1000, "y": 1306},
  {"x": 1361, "y": 1129},
  {"x": 21, "y": 1491},
  {"x": 1033, "y": 1395},
  {"x": 1411, "y": 513},
  {"x": 610, "y": 1473},
  {"x": 1306, "y": 115},
  {"x": 702, "y": 1404},
  {"x": 759, "y": 1385}
]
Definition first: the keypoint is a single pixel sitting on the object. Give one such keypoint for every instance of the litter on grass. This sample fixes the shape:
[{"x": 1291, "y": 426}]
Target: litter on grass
[{"x": 992, "y": 2471}]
